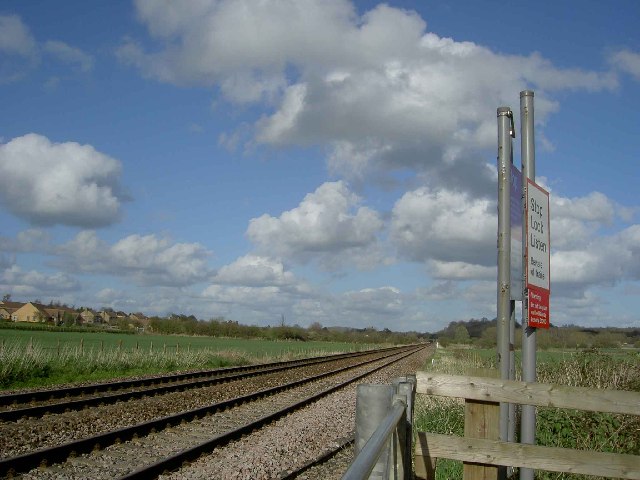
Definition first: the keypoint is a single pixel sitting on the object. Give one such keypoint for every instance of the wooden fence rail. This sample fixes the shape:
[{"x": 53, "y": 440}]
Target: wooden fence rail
[{"x": 482, "y": 452}]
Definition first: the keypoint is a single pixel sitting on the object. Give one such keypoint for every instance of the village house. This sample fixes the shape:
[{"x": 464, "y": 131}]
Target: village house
[
  {"x": 141, "y": 320},
  {"x": 7, "y": 308},
  {"x": 90, "y": 317},
  {"x": 108, "y": 316},
  {"x": 36, "y": 312}
]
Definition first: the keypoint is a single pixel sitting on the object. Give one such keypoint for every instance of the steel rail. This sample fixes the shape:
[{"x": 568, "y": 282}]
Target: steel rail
[
  {"x": 218, "y": 376},
  {"x": 176, "y": 461},
  {"x": 64, "y": 392},
  {"x": 59, "y": 453}
]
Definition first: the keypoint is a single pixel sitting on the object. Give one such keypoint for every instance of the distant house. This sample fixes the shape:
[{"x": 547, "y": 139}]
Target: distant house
[
  {"x": 30, "y": 312},
  {"x": 108, "y": 316},
  {"x": 90, "y": 317},
  {"x": 36, "y": 312},
  {"x": 7, "y": 309},
  {"x": 140, "y": 317},
  {"x": 143, "y": 322}
]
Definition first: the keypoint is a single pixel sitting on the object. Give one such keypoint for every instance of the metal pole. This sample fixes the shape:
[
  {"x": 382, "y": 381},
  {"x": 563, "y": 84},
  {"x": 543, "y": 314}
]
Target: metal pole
[
  {"x": 505, "y": 130},
  {"x": 377, "y": 445},
  {"x": 528, "y": 156},
  {"x": 407, "y": 386},
  {"x": 512, "y": 368},
  {"x": 373, "y": 403}
]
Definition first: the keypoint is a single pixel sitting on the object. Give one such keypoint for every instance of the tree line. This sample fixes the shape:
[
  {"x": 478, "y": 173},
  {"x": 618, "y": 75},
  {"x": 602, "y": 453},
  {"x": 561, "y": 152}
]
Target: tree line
[
  {"x": 176, "y": 324},
  {"x": 483, "y": 333}
]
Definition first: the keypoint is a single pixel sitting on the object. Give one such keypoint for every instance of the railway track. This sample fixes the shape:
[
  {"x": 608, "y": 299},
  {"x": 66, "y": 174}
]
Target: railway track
[
  {"x": 146, "y": 449},
  {"x": 38, "y": 403}
]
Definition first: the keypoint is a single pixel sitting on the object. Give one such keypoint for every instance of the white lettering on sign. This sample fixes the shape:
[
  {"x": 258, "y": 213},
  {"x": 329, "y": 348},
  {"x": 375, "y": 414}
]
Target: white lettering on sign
[{"x": 537, "y": 228}]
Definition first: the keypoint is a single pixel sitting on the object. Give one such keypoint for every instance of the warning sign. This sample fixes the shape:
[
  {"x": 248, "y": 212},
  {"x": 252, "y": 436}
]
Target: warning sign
[
  {"x": 538, "y": 307},
  {"x": 537, "y": 245}
]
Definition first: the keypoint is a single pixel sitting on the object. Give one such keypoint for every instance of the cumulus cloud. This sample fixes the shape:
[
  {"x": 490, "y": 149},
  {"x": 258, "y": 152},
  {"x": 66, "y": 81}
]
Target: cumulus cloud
[
  {"x": 627, "y": 61},
  {"x": 15, "y": 37},
  {"x": 386, "y": 94},
  {"x": 447, "y": 227},
  {"x": 604, "y": 260},
  {"x": 379, "y": 301},
  {"x": 147, "y": 259},
  {"x": 70, "y": 55},
  {"x": 328, "y": 225},
  {"x": 576, "y": 220},
  {"x": 461, "y": 270},
  {"x": 20, "y": 52},
  {"x": 32, "y": 240},
  {"x": 258, "y": 298},
  {"x": 49, "y": 183},
  {"x": 254, "y": 270},
  {"x": 18, "y": 48},
  {"x": 19, "y": 282}
]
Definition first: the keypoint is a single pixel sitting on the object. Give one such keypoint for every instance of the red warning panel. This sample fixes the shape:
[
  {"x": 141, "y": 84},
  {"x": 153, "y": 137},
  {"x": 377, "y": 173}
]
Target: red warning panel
[{"x": 538, "y": 301}]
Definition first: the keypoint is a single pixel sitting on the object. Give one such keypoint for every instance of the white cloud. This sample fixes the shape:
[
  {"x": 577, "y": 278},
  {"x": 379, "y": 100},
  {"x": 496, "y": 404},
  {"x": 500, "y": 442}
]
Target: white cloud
[
  {"x": 32, "y": 240},
  {"x": 445, "y": 226},
  {"x": 328, "y": 225},
  {"x": 68, "y": 54},
  {"x": 259, "y": 298},
  {"x": 575, "y": 221},
  {"x": 15, "y": 37},
  {"x": 386, "y": 94},
  {"x": 461, "y": 270},
  {"x": 147, "y": 259},
  {"x": 627, "y": 61},
  {"x": 18, "y": 49},
  {"x": 19, "y": 282},
  {"x": 254, "y": 270},
  {"x": 381, "y": 301},
  {"x": 6, "y": 261},
  {"x": 67, "y": 183},
  {"x": 604, "y": 260}
]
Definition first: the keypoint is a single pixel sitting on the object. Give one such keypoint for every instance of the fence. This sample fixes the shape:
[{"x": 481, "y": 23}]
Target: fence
[
  {"x": 383, "y": 431},
  {"x": 484, "y": 455}
]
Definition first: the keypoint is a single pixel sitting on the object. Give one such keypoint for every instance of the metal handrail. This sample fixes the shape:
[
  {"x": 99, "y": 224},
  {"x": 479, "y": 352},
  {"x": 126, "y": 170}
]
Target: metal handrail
[{"x": 365, "y": 461}]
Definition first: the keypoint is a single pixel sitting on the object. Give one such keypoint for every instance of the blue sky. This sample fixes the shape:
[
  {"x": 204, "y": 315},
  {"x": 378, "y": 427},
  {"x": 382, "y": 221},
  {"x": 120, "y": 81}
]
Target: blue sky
[{"x": 328, "y": 161}]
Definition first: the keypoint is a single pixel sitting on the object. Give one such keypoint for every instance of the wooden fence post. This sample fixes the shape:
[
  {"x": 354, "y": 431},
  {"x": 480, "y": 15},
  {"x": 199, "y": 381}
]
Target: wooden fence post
[{"x": 481, "y": 420}]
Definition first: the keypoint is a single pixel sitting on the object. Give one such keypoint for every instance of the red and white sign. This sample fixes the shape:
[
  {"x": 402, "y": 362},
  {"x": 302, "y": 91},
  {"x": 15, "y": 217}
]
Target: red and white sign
[
  {"x": 537, "y": 253},
  {"x": 538, "y": 307}
]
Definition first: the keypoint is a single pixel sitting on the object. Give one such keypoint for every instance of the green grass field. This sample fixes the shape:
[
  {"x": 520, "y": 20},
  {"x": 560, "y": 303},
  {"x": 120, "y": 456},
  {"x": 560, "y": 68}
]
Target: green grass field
[
  {"x": 38, "y": 358},
  {"x": 610, "y": 368},
  {"x": 95, "y": 341}
]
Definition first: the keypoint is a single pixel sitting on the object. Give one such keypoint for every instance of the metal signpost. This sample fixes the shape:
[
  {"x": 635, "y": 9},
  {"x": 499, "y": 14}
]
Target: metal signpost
[
  {"x": 535, "y": 265},
  {"x": 523, "y": 261},
  {"x": 505, "y": 132}
]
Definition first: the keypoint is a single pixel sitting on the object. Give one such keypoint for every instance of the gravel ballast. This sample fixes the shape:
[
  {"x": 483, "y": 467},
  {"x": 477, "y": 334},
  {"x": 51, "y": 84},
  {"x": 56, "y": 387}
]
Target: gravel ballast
[{"x": 296, "y": 439}]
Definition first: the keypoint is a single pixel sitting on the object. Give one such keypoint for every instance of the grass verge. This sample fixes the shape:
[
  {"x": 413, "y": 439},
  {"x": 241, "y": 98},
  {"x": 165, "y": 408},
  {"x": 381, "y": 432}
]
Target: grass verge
[{"x": 554, "y": 427}]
